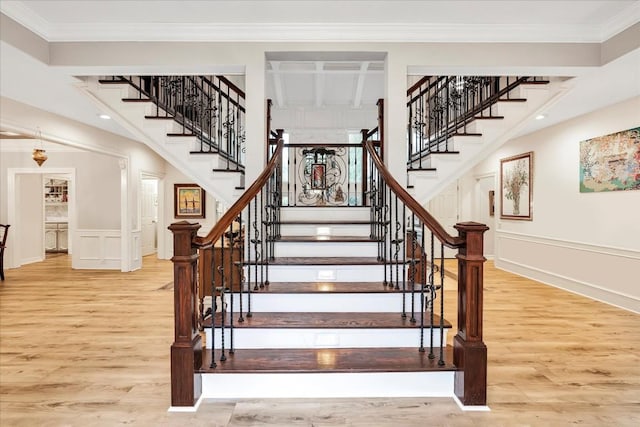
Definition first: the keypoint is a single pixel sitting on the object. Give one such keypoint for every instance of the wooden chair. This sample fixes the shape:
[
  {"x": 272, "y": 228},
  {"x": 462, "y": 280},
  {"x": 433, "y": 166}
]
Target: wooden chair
[{"x": 4, "y": 230}]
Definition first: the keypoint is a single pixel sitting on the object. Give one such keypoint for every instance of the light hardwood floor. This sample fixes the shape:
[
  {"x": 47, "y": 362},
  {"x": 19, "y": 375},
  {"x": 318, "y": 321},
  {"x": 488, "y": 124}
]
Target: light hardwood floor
[{"x": 91, "y": 348}]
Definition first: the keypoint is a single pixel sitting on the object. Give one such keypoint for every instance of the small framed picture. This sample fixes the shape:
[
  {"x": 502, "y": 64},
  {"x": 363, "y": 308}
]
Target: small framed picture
[{"x": 188, "y": 201}]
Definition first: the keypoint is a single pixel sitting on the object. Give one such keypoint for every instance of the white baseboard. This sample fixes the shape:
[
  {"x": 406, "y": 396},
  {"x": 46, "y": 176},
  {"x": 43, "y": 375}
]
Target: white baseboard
[{"x": 581, "y": 268}]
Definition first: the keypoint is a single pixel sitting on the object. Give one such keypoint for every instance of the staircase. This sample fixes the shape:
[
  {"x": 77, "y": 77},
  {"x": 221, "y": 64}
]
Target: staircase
[
  {"x": 327, "y": 325},
  {"x": 163, "y": 132},
  {"x": 428, "y": 175},
  {"x": 325, "y": 301}
]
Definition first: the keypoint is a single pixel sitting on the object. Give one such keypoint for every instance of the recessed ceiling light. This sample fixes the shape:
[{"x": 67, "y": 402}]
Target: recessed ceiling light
[
  {"x": 104, "y": 116},
  {"x": 541, "y": 116}
]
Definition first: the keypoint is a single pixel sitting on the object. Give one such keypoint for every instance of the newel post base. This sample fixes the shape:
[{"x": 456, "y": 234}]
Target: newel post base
[
  {"x": 186, "y": 350},
  {"x": 469, "y": 351}
]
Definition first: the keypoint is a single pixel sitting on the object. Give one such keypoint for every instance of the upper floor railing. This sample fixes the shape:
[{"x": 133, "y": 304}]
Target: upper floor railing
[
  {"x": 211, "y": 108},
  {"x": 441, "y": 107}
]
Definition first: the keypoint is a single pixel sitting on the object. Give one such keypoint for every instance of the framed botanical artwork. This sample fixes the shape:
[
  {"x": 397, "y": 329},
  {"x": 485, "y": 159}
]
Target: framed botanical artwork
[
  {"x": 516, "y": 187},
  {"x": 188, "y": 201}
]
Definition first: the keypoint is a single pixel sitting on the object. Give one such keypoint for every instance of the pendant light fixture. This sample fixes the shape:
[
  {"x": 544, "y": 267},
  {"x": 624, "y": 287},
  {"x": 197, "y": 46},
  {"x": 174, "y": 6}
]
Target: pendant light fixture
[{"x": 39, "y": 153}]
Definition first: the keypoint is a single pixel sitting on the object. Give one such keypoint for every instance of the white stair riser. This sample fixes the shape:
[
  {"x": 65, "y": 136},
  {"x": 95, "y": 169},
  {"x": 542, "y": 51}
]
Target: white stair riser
[
  {"x": 328, "y": 385},
  {"x": 326, "y": 249},
  {"x": 315, "y": 273},
  {"x": 388, "y": 302},
  {"x": 360, "y": 230},
  {"x": 324, "y": 338},
  {"x": 351, "y": 213}
]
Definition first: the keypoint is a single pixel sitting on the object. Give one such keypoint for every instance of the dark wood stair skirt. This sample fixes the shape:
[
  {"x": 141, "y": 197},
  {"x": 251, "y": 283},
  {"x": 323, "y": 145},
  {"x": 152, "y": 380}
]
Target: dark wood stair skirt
[
  {"x": 328, "y": 360},
  {"x": 333, "y": 320}
]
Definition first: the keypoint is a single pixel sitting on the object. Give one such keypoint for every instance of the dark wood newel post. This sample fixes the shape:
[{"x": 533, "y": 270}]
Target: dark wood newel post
[
  {"x": 186, "y": 350},
  {"x": 469, "y": 351}
]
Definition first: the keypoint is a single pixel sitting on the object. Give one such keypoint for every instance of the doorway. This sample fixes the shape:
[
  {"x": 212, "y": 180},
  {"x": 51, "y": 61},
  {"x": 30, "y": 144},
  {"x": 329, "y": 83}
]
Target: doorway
[
  {"x": 27, "y": 210},
  {"x": 485, "y": 210},
  {"x": 149, "y": 215}
]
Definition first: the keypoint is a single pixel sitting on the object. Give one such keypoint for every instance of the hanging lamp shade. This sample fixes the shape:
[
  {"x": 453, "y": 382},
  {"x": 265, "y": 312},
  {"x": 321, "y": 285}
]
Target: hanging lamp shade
[{"x": 39, "y": 156}]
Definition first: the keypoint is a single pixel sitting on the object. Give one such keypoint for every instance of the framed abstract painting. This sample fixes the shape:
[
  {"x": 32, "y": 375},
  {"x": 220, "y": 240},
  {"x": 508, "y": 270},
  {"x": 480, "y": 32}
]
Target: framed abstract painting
[{"x": 188, "y": 201}]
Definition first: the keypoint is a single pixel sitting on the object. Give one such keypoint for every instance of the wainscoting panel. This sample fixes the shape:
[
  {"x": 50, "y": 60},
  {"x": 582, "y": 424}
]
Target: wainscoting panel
[
  {"x": 96, "y": 249},
  {"x": 603, "y": 273}
]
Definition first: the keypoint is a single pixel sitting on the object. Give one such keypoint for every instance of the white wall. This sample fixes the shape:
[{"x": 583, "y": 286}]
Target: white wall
[
  {"x": 588, "y": 243},
  {"x": 30, "y": 201},
  {"x": 174, "y": 176}
]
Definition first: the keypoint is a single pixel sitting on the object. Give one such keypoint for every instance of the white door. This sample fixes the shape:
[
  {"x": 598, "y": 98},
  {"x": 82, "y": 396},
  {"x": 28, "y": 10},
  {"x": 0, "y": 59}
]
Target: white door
[
  {"x": 483, "y": 212},
  {"x": 444, "y": 207},
  {"x": 149, "y": 216}
]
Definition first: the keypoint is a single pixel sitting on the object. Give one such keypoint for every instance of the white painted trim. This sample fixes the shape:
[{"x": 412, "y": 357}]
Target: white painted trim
[
  {"x": 193, "y": 408},
  {"x": 470, "y": 408},
  {"x": 100, "y": 260},
  {"x": 62, "y": 141},
  {"x": 12, "y": 260},
  {"x": 571, "y": 244},
  {"x": 308, "y": 31},
  {"x": 621, "y": 21},
  {"x": 580, "y": 287},
  {"x": 31, "y": 260},
  {"x": 125, "y": 214},
  {"x": 160, "y": 225},
  {"x": 589, "y": 290}
]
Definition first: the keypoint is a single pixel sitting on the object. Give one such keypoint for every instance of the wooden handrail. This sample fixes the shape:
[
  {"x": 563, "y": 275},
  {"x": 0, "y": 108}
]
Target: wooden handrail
[
  {"x": 424, "y": 216},
  {"x": 233, "y": 212}
]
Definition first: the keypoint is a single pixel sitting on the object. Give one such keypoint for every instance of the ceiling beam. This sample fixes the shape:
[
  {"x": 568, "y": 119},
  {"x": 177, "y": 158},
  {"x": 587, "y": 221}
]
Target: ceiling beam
[
  {"x": 277, "y": 83},
  {"x": 319, "y": 83},
  {"x": 357, "y": 97}
]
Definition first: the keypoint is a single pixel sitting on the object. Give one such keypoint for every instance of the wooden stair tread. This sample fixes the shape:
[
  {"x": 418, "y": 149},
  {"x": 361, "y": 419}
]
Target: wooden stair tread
[
  {"x": 181, "y": 134},
  {"x": 327, "y": 239},
  {"x": 466, "y": 134},
  {"x": 512, "y": 100},
  {"x": 159, "y": 117},
  {"x": 136, "y": 100},
  {"x": 489, "y": 117},
  {"x": 535, "y": 82},
  {"x": 112, "y": 82},
  {"x": 325, "y": 288},
  {"x": 327, "y": 320},
  {"x": 325, "y": 360}
]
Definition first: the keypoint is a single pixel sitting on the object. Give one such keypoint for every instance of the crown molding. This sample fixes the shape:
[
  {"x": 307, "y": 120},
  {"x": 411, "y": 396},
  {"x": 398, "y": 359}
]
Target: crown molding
[
  {"x": 17, "y": 11},
  {"x": 468, "y": 33},
  {"x": 621, "y": 22},
  {"x": 319, "y": 32}
]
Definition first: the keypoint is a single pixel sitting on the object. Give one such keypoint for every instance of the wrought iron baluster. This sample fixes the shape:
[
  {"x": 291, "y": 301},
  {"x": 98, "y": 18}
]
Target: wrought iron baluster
[
  {"x": 432, "y": 295},
  {"x": 441, "y": 360}
]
